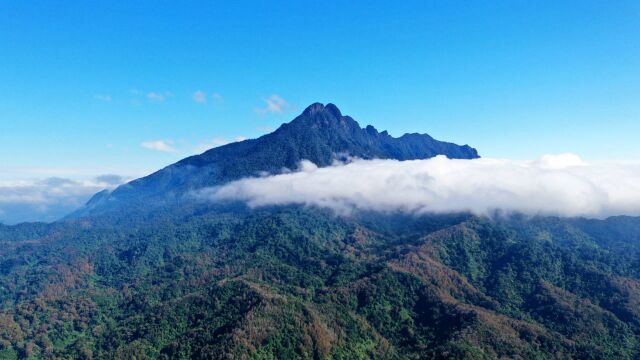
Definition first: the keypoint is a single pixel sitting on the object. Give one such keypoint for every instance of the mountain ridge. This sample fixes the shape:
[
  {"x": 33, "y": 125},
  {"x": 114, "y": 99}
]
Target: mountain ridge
[{"x": 320, "y": 134}]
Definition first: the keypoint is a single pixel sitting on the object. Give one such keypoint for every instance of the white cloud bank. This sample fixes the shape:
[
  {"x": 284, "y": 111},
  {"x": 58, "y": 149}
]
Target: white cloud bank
[
  {"x": 48, "y": 199},
  {"x": 552, "y": 185}
]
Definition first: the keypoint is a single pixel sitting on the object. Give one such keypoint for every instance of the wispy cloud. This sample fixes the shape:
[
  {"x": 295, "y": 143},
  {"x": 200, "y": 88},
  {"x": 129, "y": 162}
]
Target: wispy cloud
[
  {"x": 273, "y": 104},
  {"x": 159, "y": 145},
  {"x": 217, "y": 97},
  {"x": 154, "y": 96},
  {"x": 215, "y": 142},
  {"x": 101, "y": 97},
  {"x": 139, "y": 96},
  {"x": 553, "y": 185},
  {"x": 200, "y": 97}
]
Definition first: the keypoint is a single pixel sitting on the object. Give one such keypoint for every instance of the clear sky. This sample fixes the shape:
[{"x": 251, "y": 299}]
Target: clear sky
[{"x": 126, "y": 87}]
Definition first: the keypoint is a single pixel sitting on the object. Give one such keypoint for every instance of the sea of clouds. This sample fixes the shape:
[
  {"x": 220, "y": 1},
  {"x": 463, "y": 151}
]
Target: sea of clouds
[{"x": 563, "y": 185}]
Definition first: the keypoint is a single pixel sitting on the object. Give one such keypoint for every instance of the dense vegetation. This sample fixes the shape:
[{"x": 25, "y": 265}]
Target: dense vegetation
[{"x": 287, "y": 283}]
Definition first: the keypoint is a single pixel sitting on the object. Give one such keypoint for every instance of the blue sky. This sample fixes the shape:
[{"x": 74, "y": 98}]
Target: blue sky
[{"x": 85, "y": 84}]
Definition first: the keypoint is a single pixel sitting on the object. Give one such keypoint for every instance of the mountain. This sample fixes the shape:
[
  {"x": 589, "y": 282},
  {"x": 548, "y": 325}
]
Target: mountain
[
  {"x": 320, "y": 134},
  {"x": 223, "y": 281}
]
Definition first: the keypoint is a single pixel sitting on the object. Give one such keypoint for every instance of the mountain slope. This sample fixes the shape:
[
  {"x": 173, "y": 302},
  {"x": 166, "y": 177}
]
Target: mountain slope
[
  {"x": 320, "y": 134},
  {"x": 301, "y": 283}
]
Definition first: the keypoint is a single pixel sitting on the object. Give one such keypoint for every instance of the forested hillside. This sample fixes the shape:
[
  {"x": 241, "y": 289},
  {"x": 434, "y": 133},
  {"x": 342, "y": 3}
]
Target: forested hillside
[{"x": 229, "y": 282}]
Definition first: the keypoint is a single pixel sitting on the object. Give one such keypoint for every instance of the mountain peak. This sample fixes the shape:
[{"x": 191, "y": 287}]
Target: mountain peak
[
  {"x": 313, "y": 108},
  {"x": 316, "y": 108},
  {"x": 333, "y": 110},
  {"x": 319, "y": 134}
]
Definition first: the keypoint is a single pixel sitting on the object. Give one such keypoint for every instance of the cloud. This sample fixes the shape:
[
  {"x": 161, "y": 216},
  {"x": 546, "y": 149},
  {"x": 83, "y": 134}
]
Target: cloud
[
  {"x": 48, "y": 199},
  {"x": 215, "y": 142},
  {"x": 154, "y": 96},
  {"x": 559, "y": 161},
  {"x": 138, "y": 96},
  {"x": 553, "y": 185},
  {"x": 159, "y": 145},
  {"x": 54, "y": 189},
  {"x": 110, "y": 179},
  {"x": 106, "y": 98},
  {"x": 200, "y": 97},
  {"x": 274, "y": 104},
  {"x": 56, "y": 182}
]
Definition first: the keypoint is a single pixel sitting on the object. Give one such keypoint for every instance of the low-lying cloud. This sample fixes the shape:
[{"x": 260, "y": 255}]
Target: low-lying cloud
[
  {"x": 48, "y": 199},
  {"x": 561, "y": 185}
]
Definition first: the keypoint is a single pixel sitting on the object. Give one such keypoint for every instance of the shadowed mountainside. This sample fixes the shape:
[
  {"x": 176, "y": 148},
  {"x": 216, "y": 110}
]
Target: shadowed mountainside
[{"x": 320, "y": 134}]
